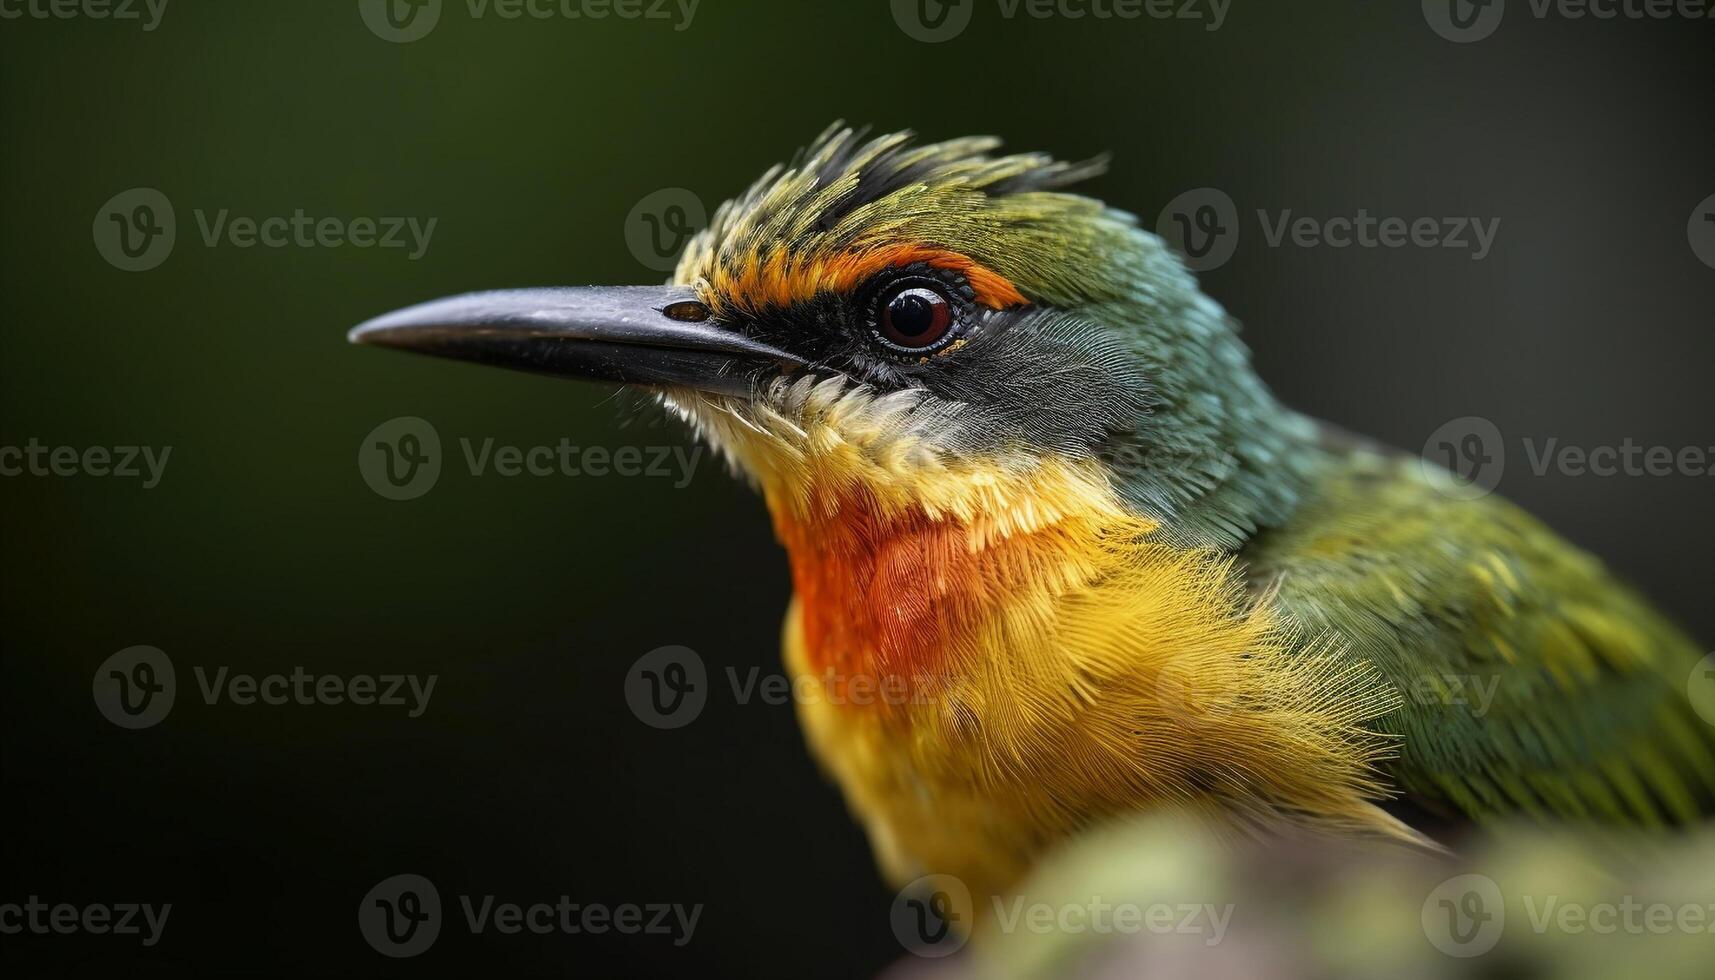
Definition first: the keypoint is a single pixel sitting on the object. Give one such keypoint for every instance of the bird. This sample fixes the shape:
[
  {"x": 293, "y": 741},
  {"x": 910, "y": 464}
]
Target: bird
[{"x": 1060, "y": 556}]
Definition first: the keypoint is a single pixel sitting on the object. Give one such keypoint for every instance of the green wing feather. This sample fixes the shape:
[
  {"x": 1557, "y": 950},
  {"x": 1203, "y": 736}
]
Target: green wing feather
[{"x": 1534, "y": 682}]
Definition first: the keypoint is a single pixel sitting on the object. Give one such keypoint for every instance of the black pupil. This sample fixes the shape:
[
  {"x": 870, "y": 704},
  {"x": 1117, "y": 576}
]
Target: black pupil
[{"x": 913, "y": 313}]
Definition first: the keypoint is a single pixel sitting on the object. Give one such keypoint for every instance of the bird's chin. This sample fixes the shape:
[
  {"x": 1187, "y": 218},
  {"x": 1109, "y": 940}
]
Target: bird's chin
[
  {"x": 707, "y": 411},
  {"x": 765, "y": 397}
]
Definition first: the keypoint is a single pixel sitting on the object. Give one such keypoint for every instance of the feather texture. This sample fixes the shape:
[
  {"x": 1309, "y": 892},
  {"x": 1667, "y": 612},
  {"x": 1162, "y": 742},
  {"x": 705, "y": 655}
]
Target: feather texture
[{"x": 1082, "y": 562}]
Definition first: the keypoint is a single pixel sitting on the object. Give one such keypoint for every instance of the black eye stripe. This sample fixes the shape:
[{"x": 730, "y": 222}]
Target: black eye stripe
[{"x": 844, "y": 331}]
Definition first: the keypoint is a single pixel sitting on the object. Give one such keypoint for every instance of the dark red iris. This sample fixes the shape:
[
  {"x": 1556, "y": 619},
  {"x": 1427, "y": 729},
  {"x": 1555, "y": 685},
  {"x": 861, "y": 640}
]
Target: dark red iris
[{"x": 915, "y": 316}]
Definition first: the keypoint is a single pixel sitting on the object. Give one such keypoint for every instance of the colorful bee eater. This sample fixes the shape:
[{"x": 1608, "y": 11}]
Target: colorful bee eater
[{"x": 1059, "y": 555}]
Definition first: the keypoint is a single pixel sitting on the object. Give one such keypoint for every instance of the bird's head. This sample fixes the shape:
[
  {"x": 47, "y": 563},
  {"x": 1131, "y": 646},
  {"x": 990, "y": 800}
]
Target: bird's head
[{"x": 933, "y": 328}]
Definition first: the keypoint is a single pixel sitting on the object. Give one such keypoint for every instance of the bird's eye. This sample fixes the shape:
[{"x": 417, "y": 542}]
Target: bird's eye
[{"x": 914, "y": 317}]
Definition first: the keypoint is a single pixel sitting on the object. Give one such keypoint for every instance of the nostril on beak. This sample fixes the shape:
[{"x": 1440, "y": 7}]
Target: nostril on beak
[{"x": 689, "y": 311}]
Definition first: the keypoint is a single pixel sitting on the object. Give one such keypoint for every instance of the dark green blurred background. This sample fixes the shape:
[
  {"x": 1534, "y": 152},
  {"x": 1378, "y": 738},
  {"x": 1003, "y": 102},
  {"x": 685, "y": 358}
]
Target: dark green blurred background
[{"x": 530, "y": 141}]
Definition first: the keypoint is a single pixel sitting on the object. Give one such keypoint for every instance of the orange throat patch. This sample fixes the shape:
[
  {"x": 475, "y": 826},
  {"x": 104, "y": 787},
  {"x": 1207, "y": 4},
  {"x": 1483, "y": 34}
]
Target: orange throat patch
[{"x": 890, "y": 599}]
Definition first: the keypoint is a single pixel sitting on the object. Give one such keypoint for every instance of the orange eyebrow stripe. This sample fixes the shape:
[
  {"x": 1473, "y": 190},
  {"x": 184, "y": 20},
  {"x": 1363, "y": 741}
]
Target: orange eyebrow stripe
[{"x": 780, "y": 282}]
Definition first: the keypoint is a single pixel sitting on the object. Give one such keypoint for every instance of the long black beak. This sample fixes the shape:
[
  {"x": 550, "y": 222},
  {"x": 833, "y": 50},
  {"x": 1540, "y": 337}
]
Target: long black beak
[{"x": 649, "y": 335}]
